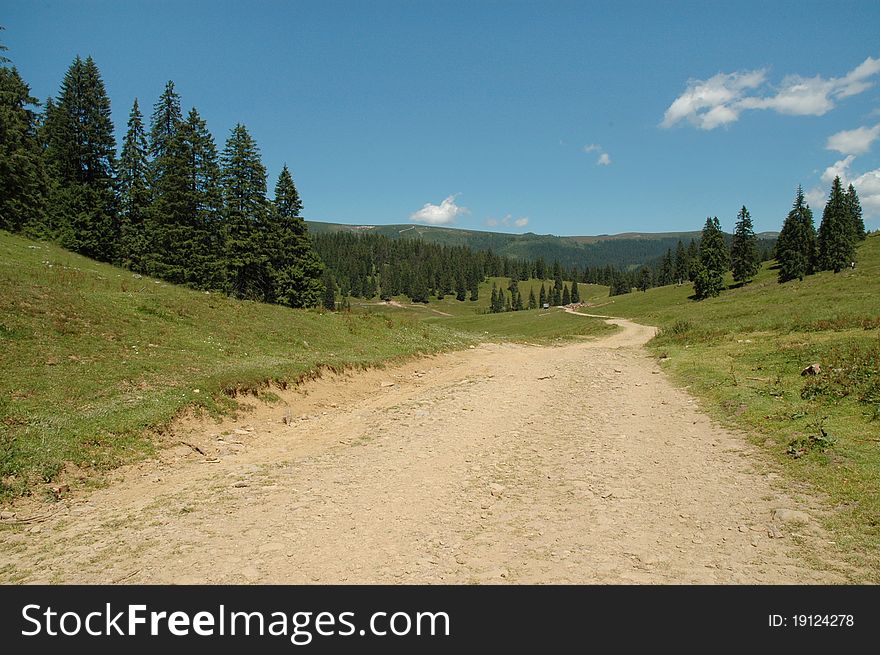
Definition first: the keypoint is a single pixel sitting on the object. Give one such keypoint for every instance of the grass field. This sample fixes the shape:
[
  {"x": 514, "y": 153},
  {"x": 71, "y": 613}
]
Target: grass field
[
  {"x": 743, "y": 352},
  {"x": 535, "y": 326},
  {"x": 91, "y": 356}
]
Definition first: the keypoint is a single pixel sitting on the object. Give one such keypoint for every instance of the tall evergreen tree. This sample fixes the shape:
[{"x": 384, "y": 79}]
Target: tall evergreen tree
[
  {"x": 23, "y": 179},
  {"x": 80, "y": 152},
  {"x": 644, "y": 278},
  {"x": 165, "y": 120},
  {"x": 246, "y": 208},
  {"x": 533, "y": 304},
  {"x": 575, "y": 294},
  {"x": 296, "y": 267},
  {"x": 796, "y": 245},
  {"x": 460, "y": 287},
  {"x": 329, "y": 300},
  {"x": 133, "y": 193},
  {"x": 837, "y": 233},
  {"x": 854, "y": 208},
  {"x": 713, "y": 262},
  {"x": 566, "y": 295},
  {"x": 557, "y": 283},
  {"x": 187, "y": 236},
  {"x": 744, "y": 257},
  {"x": 542, "y": 298},
  {"x": 682, "y": 264}
]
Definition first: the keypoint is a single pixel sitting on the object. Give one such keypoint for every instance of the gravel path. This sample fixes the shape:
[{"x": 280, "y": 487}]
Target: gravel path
[{"x": 500, "y": 464}]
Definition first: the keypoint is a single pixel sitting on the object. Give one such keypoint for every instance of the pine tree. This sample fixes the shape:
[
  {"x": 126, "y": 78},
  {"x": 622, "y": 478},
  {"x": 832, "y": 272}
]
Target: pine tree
[
  {"x": 296, "y": 267},
  {"x": 460, "y": 287},
  {"x": 23, "y": 180},
  {"x": 713, "y": 262},
  {"x": 575, "y": 294},
  {"x": 133, "y": 193},
  {"x": 80, "y": 152},
  {"x": 166, "y": 118},
  {"x": 207, "y": 239},
  {"x": 682, "y": 264},
  {"x": 246, "y": 209},
  {"x": 517, "y": 302},
  {"x": 329, "y": 299},
  {"x": 837, "y": 233},
  {"x": 187, "y": 240},
  {"x": 493, "y": 302},
  {"x": 566, "y": 295},
  {"x": 542, "y": 298},
  {"x": 744, "y": 248},
  {"x": 557, "y": 283},
  {"x": 419, "y": 288},
  {"x": 854, "y": 209},
  {"x": 644, "y": 278},
  {"x": 796, "y": 245},
  {"x": 533, "y": 304},
  {"x": 475, "y": 290}
]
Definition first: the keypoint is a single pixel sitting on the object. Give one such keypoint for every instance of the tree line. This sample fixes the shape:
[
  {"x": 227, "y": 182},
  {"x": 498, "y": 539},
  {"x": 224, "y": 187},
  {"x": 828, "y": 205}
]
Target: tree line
[
  {"x": 170, "y": 205},
  {"x": 800, "y": 249}
]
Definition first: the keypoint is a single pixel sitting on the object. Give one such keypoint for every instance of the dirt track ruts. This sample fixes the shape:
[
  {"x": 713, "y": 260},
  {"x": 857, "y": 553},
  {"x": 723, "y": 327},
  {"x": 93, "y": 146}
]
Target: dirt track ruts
[{"x": 579, "y": 463}]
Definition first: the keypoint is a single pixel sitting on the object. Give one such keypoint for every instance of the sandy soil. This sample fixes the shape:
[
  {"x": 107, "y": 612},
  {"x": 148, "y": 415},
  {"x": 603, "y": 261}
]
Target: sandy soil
[{"x": 500, "y": 464}]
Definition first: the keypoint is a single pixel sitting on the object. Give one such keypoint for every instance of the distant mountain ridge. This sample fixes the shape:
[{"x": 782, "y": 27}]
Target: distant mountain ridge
[{"x": 626, "y": 250}]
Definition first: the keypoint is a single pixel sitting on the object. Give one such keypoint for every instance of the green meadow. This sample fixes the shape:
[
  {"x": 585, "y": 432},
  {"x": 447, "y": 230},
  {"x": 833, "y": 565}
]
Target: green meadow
[{"x": 743, "y": 354}]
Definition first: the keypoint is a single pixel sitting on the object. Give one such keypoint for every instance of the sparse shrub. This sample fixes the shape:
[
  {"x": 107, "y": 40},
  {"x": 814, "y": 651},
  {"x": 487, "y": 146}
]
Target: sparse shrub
[
  {"x": 800, "y": 446},
  {"x": 853, "y": 369}
]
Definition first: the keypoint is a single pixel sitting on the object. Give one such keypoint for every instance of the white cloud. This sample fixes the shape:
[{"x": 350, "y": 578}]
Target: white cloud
[
  {"x": 867, "y": 186},
  {"x": 592, "y": 147},
  {"x": 721, "y": 99},
  {"x": 442, "y": 214},
  {"x": 710, "y": 103},
  {"x": 853, "y": 142},
  {"x": 838, "y": 169},
  {"x": 816, "y": 200},
  {"x": 507, "y": 221},
  {"x": 604, "y": 160}
]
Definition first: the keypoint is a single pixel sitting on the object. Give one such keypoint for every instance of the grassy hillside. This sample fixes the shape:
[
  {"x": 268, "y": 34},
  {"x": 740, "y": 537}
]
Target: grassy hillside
[
  {"x": 619, "y": 250},
  {"x": 91, "y": 356},
  {"x": 743, "y": 354}
]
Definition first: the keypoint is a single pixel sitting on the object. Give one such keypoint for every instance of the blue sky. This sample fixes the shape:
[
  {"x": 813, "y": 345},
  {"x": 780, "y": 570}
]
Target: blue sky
[{"x": 550, "y": 117}]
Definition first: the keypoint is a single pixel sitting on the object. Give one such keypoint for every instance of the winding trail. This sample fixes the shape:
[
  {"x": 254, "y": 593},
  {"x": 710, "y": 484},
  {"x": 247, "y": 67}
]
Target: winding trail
[{"x": 500, "y": 464}]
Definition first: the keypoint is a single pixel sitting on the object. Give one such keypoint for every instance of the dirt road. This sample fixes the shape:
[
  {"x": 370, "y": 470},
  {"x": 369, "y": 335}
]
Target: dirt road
[{"x": 501, "y": 464}]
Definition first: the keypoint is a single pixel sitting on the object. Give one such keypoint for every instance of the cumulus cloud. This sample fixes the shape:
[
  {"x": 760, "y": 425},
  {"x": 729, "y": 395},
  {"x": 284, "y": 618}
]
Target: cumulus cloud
[
  {"x": 713, "y": 102},
  {"x": 442, "y": 214},
  {"x": 838, "y": 169},
  {"x": 604, "y": 159},
  {"x": 507, "y": 221},
  {"x": 721, "y": 99},
  {"x": 867, "y": 185},
  {"x": 816, "y": 200},
  {"x": 853, "y": 142}
]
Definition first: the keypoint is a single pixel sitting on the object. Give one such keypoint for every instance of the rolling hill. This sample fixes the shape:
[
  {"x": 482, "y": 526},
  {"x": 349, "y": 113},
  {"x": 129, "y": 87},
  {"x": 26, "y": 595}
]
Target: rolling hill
[{"x": 627, "y": 250}]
